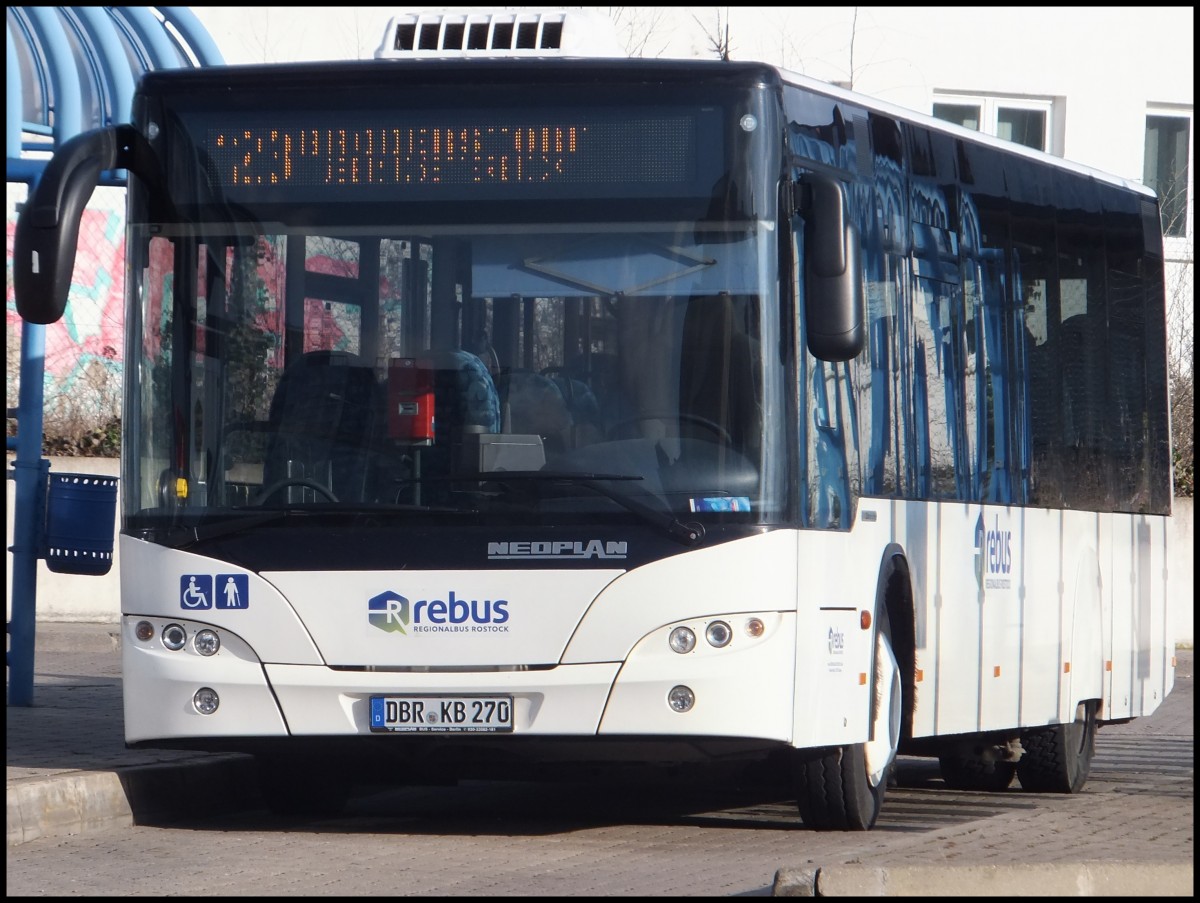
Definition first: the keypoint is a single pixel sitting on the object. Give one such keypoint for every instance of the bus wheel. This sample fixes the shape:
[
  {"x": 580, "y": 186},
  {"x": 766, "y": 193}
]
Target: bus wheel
[
  {"x": 1058, "y": 758},
  {"x": 842, "y": 789},
  {"x": 291, "y": 786},
  {"x": 976, "y": 768}
]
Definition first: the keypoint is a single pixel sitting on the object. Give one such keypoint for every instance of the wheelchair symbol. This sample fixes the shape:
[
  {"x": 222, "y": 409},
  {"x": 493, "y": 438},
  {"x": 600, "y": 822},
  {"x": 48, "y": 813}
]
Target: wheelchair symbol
[{"x": 193, "y": 595}]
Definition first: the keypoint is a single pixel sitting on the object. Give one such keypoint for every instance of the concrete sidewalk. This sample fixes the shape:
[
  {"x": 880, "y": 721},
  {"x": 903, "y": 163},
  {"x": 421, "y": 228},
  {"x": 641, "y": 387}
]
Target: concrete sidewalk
[
  {"x": 70, "y": 773},
  {"x": 68, "y": 769}
]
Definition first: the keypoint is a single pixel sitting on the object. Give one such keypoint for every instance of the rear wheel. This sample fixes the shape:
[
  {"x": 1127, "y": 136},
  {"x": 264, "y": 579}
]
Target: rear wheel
[
  {"x": 1058, "y": 759},
  {"x": 842, "y": 789}
]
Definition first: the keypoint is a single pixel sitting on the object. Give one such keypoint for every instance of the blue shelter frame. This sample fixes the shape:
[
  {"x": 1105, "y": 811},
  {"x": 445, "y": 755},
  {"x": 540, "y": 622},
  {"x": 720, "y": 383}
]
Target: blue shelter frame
[{"x": 69, "y": 69}]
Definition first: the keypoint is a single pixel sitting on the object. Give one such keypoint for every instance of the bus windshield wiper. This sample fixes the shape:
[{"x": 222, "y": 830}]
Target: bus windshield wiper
[
  {"x": 689, "y": 533},
  {"x": 183, "y": 537}
]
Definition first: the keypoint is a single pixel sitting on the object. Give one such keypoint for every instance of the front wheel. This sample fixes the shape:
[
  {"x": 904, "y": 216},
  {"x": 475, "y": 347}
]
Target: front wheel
[
  {"x": 1058, "y": 759},
  {"x": 842, "y": 789}
]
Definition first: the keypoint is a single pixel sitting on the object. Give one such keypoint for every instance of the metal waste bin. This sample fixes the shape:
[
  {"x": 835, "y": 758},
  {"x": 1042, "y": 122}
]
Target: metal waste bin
[{"x": 80, "y": 523}]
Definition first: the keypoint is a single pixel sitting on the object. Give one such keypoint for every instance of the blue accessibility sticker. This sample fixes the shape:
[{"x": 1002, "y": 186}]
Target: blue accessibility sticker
[
  {"x": 195, "y": 591},
  {"x": 233, "y": 591}
]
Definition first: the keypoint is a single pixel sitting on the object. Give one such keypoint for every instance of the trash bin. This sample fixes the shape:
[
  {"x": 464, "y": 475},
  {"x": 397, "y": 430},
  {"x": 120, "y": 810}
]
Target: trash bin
[{"x": 80, "y": 523}]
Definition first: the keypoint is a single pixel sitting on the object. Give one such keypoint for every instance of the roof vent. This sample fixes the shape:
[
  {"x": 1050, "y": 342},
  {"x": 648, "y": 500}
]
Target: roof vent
[{"x": 557, "y": 32}]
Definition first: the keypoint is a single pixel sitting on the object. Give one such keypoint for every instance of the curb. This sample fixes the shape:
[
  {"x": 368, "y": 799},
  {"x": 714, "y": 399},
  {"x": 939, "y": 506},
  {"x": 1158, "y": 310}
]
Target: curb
[
  {"x": 1083, "y": 879},
  {"x": 84, "y": 802},
  {"x": 77, "y": 637}
]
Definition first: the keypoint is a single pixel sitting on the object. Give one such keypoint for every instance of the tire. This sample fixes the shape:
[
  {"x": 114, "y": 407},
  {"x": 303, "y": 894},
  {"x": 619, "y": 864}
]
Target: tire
[
  {"x": 842, "y": 788},
  {"x": 974, "y": 769},
  {"x": 1058, "y": 759},
  {"x": 298, "y": 787}
]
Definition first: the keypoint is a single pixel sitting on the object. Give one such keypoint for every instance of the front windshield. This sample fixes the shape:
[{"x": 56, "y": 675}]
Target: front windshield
[{"x": 548, "y": 374}]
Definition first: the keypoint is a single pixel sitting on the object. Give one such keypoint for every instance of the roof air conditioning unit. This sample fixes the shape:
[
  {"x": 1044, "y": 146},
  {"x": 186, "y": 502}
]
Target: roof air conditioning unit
[{"x": 556, "y": 32}]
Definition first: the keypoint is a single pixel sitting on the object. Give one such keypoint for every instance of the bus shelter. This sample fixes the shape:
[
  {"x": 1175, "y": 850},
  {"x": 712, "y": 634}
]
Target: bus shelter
[{"x": 69, "y": 70}]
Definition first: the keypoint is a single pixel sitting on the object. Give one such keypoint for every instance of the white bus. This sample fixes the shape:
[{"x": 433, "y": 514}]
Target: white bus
[{"x": 490, "y": 408}]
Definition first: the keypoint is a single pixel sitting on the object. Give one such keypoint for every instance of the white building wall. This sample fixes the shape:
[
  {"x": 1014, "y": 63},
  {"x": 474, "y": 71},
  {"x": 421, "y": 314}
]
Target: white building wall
[{"x": 1107, "y": 64}]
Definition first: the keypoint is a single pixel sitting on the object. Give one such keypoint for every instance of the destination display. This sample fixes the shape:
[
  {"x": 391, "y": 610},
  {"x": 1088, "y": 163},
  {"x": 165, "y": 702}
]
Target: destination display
[{"x": 438, "y": 154}]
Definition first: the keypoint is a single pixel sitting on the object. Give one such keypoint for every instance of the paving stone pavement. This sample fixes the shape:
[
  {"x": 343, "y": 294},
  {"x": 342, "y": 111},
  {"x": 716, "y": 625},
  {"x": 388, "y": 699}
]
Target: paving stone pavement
[{"x": 68, "y": 772}]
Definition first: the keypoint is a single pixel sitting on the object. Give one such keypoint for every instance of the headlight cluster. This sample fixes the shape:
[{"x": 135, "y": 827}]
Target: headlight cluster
[
  {"x": 174, "y": 636},
  {"x": 205, "y": 641},
  {"x": 719, "y": 634}
]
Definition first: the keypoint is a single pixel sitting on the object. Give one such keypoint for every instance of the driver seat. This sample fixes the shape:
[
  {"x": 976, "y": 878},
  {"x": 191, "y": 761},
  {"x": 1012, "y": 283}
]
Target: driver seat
[
  {"x": 719, "y": 381},
  {"x": 324, "y": 424}
]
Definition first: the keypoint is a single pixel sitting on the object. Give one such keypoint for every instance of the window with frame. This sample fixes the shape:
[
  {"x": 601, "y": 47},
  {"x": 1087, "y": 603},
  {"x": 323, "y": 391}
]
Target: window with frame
[
  {"x": 1167, "y": 168},
  {"x": 1024, "y": 120}
]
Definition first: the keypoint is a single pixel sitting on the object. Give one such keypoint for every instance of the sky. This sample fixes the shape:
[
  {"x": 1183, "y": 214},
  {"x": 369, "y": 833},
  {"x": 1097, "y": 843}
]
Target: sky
[{"x": 255, "y": 34}]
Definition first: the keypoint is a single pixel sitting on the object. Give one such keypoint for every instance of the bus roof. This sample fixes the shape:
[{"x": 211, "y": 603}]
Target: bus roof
[
  {"x": 923, "y": 119},
  {"x": 490, "y": 65}
]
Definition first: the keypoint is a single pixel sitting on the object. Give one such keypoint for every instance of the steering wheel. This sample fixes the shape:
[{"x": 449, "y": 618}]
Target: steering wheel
[
  {"x": 269, "y": 491},
  {"x": 617, "y": 429}
]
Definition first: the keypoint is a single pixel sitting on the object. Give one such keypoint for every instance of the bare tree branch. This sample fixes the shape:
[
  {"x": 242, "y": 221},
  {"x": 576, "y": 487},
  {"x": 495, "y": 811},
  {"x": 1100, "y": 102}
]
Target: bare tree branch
[
  {"x": 1181, "y": 349},
  {"x": 718, "y": 38},
  {"x": 641, "y": 29}
]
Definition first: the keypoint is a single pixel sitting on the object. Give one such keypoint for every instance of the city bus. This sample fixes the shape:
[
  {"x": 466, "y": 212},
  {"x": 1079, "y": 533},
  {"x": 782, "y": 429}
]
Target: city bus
[{"x": 491, "y": 405}]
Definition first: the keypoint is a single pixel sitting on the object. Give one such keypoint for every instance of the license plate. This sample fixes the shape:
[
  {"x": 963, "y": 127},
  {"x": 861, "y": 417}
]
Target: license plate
[{"x": 442, "y": 714}]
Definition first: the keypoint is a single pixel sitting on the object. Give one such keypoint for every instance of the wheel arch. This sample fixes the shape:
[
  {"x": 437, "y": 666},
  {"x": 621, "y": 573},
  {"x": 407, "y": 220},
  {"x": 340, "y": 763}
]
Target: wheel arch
[{"x": 894, "y": 594}]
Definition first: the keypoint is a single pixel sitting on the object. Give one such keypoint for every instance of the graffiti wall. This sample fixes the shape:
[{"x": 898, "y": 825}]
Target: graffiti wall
[{"x": 84, "y": 353}]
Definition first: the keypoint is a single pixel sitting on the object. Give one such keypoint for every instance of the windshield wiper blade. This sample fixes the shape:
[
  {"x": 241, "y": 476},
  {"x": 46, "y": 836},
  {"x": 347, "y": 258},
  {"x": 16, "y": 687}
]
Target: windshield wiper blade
[
  {"x": 689, "y": 533},
  {"x": 183, "y": 537}
]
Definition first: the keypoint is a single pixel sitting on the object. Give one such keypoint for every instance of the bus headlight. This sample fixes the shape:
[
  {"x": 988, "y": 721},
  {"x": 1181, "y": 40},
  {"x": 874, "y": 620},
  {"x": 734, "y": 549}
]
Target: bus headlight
[
  {"x": 682, "y": 640},
  {"x": 207, "y": 642},
  {"x": 173, "y": 637},
  {"x": 206, "y": 700},
  {"x": 681, "y": 698},
  {"x": 718, "y": 634}
]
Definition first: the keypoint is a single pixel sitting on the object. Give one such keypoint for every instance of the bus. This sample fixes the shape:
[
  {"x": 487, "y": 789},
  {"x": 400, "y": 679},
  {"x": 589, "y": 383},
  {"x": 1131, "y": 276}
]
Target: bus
[{"x": 494, "y": 405}]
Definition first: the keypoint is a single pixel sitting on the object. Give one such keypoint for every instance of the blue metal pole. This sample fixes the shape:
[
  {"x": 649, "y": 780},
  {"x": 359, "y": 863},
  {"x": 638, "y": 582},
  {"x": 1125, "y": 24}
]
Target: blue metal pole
[{"x": 29, "y": 515}]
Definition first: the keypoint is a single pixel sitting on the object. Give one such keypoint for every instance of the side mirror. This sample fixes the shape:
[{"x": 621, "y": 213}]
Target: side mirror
[
  {"x": 47, "y": 232},
  {"x": 833, "y": 302}
]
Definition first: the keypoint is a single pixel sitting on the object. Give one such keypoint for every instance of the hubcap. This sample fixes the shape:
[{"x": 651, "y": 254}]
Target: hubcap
[{"x": 886, "y": 726}]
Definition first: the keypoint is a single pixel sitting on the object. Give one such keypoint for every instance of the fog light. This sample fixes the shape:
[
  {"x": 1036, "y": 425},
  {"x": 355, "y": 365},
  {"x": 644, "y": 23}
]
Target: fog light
[
  {"x": 206, "y": 700},
  {"x": 207, "y": 642},
  {"x": 144, "y": 630},
  {"x": 174, "y": 636},
  {"x": 755, "y": 627},
  {"x": 682, "y": 640},
  {"x": 718, "y": 634},
  {"x": 681, "y": 698}
]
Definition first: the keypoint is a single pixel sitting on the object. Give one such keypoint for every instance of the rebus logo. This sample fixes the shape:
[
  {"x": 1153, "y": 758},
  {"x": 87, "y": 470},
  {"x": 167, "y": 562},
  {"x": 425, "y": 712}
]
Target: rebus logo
[
  {"x": 389, "y": 611},
  {"x": 980, "y": 534},
  {"x": 993, "y": 555},
  {"x": 392, "y": 612}
]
